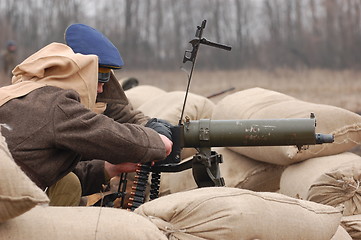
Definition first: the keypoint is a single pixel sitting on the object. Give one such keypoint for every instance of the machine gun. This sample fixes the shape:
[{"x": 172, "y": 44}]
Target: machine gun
[{"x": 205, "y": 133}]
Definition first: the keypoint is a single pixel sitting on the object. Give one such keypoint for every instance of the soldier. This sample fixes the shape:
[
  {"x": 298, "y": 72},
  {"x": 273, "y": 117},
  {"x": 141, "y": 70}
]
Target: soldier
[
  {"x": 9, "y": 58},
  {"x": 62, "y": 135}
]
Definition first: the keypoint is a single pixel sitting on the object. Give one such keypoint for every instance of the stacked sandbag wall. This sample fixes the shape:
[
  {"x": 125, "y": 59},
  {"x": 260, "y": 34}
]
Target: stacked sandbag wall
[
  {"x": 262, "y": 168},
  {"x": 328, "y": 173},
  {"x": 206, "y": 213}
]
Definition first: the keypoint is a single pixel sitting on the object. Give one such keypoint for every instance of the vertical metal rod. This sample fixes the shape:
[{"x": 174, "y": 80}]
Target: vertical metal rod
[{"x": 187, "y": 90}]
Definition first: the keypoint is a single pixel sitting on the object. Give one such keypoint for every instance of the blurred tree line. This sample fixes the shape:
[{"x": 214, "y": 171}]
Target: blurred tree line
[{"x": 154, "y": 33}]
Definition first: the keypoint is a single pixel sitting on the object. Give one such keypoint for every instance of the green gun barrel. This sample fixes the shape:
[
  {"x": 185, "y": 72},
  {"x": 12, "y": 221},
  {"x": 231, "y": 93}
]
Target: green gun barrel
[{"x": 262, "y": 132}]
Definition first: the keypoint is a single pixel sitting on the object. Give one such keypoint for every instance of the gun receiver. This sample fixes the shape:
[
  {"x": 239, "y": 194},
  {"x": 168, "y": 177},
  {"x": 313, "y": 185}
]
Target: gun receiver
[{"x": 205, "y": 133}]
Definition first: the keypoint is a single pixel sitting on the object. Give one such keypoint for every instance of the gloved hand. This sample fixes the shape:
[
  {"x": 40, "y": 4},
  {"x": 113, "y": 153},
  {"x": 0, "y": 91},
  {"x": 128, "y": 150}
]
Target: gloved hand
[{"x": 161, "y": 127}]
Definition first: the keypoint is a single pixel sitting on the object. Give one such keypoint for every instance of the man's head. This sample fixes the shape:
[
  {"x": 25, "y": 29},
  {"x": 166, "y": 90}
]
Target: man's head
[
  {"x": 11, "y": 46},
  {"x": 87, "y": 40}
]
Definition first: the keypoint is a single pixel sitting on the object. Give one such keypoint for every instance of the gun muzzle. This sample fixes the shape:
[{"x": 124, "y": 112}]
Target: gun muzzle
[
  {"x": 324, "y": 138},
  {"x": 264, "y": 132}
]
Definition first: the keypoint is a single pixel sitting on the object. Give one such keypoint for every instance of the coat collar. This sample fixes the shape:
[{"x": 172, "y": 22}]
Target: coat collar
[{"x": 112, "y": 92}]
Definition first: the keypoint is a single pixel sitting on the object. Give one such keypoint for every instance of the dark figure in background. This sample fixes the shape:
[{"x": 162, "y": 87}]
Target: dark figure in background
[{"x": 9, "y": 58}]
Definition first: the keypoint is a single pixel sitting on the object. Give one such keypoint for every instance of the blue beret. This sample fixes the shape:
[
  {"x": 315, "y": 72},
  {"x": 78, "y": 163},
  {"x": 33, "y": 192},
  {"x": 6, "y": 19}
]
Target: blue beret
[
  {"x": 87, "y": 40},
  {"x": 10, "y": 43}
]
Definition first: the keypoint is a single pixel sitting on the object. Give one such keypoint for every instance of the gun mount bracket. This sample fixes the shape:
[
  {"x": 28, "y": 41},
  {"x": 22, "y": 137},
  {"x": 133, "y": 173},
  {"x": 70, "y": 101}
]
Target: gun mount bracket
[{"x": 206, "y": 171}]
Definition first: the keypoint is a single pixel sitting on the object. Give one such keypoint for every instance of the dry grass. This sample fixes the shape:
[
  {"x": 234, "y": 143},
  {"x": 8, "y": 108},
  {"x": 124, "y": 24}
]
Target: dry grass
[{"x": 337, "y": 88}]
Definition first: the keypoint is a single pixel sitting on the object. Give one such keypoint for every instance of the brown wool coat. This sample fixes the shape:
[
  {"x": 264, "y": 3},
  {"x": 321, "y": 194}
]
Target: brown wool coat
[{"x": 48, "y": 131}]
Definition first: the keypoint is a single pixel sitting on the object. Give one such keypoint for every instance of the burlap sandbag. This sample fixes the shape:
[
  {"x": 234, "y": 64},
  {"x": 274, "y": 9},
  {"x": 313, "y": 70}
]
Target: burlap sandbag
[
  {"x": 341, "y": 234},
  {"x": 258, "y": 103},
  {"x": 237, "y": 170},
  {"x": 331, "y": 180},
  {"x": 232, "y": 213},
  {"x": 143, "y": 93},
  {"x": 340, "y": 186},
  {"x": 18, "y": 193},
  {"x": 168, "y": 106},
  {"x": 164, "y": 188},
  {"x": 80, "y": 223},
  {"x": 352, "y": 224}
]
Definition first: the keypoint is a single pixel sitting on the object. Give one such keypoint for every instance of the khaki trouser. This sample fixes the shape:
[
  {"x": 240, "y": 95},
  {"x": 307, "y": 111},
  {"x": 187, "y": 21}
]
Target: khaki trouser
[{"x": 65, "y": 192}]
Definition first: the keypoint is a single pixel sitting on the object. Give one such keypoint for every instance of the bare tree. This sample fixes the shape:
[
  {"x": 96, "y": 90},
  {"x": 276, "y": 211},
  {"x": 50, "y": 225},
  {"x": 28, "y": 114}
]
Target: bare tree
[{"x": 153, "y": 34}]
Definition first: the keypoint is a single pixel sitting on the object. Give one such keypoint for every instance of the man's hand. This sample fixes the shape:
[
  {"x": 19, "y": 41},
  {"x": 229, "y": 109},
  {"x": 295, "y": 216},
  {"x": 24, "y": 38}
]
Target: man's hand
[
  {"x": 114, "y": 170},
  {"x": 162, "y": 127},
  {"x": 167, "y": 143}
]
